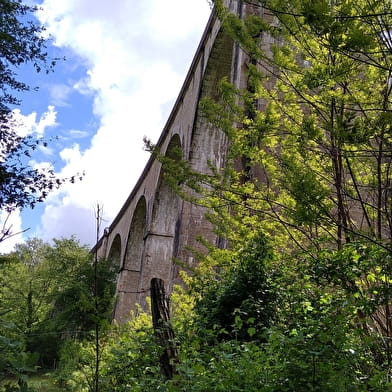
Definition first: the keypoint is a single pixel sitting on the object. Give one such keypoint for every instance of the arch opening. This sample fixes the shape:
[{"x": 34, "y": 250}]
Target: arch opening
[
  {"x": 162, "y": 233},
  {"x": 115, "y": 251},
  {"x": 128, "y": 283}
]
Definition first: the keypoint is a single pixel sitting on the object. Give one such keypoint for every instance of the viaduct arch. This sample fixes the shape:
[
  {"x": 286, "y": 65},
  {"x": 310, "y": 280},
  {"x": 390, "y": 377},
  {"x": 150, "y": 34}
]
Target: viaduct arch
[{"x": 154, "y": 226}]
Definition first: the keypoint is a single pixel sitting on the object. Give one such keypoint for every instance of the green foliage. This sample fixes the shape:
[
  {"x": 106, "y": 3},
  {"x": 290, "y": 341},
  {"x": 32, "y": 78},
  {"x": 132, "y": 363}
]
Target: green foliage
[
  {"x": 360, "y": 274},
  {"x": 21, "y": 43},
  {"x": 75, "y": 309},
  {"x": 321, "y": 76},
  {"x": 15, "y": 363},
  {"x": 42, "y": 383},
  {"x": 47, "y": 296},
  {"x": 301, "y": 298},
  {"x": 132, "y": 360},
  {"x": 314, "y": 339},
  {"x": 241, "y": 300},
  {"x": 229, "y": 366},
  {"x": 308, "y": 172},
  {"x": 75, "y": 370}
]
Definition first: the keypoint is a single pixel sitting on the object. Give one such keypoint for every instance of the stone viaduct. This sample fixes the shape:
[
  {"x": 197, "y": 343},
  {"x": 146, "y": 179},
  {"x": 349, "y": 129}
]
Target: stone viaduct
[{"x": 155, "y": 226}]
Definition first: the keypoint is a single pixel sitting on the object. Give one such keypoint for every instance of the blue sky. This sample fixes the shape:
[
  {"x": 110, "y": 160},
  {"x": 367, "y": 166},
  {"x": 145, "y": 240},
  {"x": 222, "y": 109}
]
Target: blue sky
[{"x": 125, "y": 63}]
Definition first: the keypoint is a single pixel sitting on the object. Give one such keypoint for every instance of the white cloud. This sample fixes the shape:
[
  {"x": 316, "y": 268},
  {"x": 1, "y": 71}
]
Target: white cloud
[
  {"x": 41, "y": 165},
  {"x": 134, "y": 69},
  {"x": 181, "y": 25},
  {"x": 28, "y": 124},
  {"x": 82, "y": 87},
  {"x": 48, "y": 119},
  {"x": 67, "y": 219},
  {"x": 77, "y": 133},
  {"x": 59, "y": 94}
]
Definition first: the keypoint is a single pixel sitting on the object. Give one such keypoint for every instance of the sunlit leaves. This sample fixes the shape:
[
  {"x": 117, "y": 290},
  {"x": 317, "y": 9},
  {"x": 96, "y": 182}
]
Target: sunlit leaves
[{"x": 309, "y": 167}]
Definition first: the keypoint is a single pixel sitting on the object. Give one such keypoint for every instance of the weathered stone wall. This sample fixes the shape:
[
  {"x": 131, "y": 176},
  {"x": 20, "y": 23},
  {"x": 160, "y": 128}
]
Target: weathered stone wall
[{"x": 155, "y": 225}]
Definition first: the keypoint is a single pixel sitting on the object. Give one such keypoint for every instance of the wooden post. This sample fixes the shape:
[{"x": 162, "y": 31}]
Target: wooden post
[{"x": 163, "y": 330}]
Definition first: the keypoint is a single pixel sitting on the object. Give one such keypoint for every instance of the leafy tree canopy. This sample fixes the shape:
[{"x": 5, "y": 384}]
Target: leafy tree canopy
[
  {"x": 47, "y": 294},
  {"x": 21, "y": 43},
  {"x": 308, "y": 168}
]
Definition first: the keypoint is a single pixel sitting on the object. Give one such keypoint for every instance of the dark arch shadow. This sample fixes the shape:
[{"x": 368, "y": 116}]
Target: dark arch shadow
[
  {"x": 115, "y": 251},
  {"x": 128, "y": 282}
]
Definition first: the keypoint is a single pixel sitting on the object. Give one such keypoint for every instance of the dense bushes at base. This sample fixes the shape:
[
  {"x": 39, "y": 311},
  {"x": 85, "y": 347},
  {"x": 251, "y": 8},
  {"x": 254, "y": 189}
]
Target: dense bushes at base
[{"x": 319, "y": 339}]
